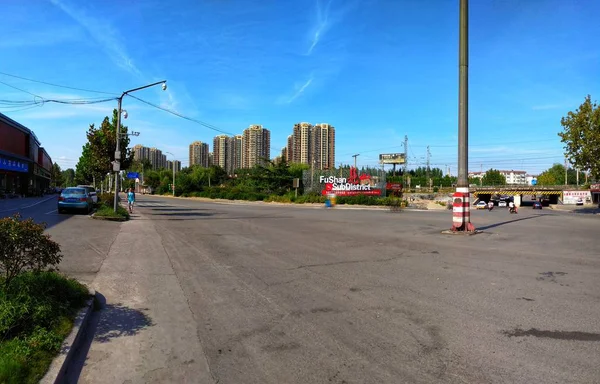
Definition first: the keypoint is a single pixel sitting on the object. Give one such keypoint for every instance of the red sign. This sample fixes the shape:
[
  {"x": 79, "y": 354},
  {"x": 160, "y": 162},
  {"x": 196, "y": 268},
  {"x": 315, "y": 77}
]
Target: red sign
[
  {"x": 393, "y": 186},
  {"x": 595, "y": 188},
  {"x": 354, "y": 185}
]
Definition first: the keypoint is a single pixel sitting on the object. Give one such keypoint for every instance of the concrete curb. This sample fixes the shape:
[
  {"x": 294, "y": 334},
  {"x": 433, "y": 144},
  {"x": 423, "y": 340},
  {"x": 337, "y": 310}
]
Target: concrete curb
[
  {"x": 121, "y": 219},
  {"x": 58, "y": 368}
]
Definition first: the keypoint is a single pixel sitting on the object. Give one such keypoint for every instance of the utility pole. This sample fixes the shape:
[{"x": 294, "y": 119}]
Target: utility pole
[
  {"x": 566, "y": 175},
  {"x": 577, "y": 170},
  {"x": 427, "y": 170},
  {"x": 355, "y": 156},
  {"x": 462, "y": 216},
  {"x": 405, "y": 154}
]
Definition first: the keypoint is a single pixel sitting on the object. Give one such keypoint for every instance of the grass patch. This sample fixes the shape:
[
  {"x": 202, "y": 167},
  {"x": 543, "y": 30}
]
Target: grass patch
[
  {"x": 36, "y": 314},
  {"x": 109, "y": 212}
]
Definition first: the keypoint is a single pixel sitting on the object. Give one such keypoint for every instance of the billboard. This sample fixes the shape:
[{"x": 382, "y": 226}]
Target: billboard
[
  {"x": 571, "y": 197},
  {"x": 392, "y": 158}
]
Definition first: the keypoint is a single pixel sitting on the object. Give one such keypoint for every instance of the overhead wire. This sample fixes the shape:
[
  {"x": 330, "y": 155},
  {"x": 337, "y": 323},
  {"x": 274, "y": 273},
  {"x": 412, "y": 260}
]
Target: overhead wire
[
  {"x": 202, "y": 123},
  {"x": 57, "y": 85}
]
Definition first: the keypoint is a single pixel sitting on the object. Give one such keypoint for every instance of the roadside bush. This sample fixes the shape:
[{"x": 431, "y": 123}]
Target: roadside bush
[
  {"x": 24, "y": 246},
  {"x": 109, "y": 211},
  {"x": 36, "y": 313},
  {"x": 106, "y": 198}
]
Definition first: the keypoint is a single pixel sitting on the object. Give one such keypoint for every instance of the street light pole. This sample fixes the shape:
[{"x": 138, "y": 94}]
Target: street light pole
[
  {"x": 117, "y": 163},
  {"x": 173, "y": 185}
]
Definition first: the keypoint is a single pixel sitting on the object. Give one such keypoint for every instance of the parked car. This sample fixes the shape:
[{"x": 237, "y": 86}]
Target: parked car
[
  {"x": 502, "y": 203},
  {"x": 75, "y": 198},
  {"x": 537, "y": 205},
  {"x": 91, "y": 191},
  {"x": 481, "y": 205},
  {"x": 579, "y": 201}
]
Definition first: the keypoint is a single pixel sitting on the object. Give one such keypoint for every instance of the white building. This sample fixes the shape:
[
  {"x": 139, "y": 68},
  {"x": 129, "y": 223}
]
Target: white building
[{"x": 512, "y": 177}]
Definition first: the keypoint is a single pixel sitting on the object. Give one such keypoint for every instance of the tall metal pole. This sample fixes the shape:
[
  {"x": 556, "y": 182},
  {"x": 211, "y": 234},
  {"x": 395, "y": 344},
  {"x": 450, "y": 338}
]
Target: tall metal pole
[
  {"x": 463, "y": 96},
  {"x": 118, "y": 153},
  {"x": 173, "y": 177},
  {"x": 355, "y": 156},
  {"x": 461, "y": 220}
]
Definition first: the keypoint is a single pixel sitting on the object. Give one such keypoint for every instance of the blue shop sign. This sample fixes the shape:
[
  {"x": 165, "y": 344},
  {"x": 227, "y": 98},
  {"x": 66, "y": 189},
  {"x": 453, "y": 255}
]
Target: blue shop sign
[{"x": 13, "y": 165}]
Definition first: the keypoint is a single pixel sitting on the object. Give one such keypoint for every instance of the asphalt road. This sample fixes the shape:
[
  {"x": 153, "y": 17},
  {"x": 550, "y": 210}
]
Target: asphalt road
[
  {"x": 287, "y": 294},
  {"x": 290, "y": 294}
]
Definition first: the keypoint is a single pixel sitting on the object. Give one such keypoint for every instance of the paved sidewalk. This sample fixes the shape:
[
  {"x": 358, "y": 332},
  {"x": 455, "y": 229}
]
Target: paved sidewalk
[
  {"x": 145, "y": 331},
  {"x": 22, "y": 202}
]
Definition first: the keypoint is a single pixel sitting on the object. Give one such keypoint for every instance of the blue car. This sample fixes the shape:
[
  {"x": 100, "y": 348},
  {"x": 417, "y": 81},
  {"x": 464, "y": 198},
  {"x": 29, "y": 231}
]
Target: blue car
[{"x": 75, "y": 199}]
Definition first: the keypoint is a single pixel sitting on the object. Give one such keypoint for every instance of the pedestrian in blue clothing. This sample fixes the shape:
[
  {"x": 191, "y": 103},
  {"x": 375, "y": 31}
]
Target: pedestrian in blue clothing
[{"x": 130, "y": 199}]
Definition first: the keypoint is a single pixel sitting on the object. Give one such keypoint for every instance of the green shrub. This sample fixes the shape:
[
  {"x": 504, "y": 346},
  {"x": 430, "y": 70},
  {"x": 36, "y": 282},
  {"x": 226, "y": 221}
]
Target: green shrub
[
  {"x": 25, "y": 246},
  {"x": 109, "y": 211},
  {"x": 106, "y": 198},
  {"x": 36, "y": 314}
]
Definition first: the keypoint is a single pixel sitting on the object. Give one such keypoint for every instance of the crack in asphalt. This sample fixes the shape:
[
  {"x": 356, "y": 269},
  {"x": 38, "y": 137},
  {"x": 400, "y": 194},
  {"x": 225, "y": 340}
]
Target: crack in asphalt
[{"x": 347, "y": 262}]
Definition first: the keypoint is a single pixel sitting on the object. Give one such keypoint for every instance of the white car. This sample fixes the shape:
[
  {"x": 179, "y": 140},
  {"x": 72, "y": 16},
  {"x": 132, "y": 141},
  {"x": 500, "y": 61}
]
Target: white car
[
  {"x": 502, "y": 203},
  {"x": 91, "y": 192},
  {"x": 481, "y": 205},
  {"x": 579, "y": 201}
]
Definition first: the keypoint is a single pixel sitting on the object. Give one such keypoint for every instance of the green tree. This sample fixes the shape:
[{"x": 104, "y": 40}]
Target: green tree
[
  {"x": 546, "y": 178},
  {"x": 103, "y": 143},
  {"x": 555, "y": 175},
  {"x": 84, "y": 169},
  {"x": 581, "y": 137},
  {"x": 493, "y": 177},
  {"x": 57, "y": 176},
  {"x": 68, "y": 177}
]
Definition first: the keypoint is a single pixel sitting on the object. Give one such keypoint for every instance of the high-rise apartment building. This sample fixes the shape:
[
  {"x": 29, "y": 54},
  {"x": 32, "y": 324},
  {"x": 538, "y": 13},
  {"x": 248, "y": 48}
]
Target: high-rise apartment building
[
  {"x": 177, "y": 165},
  {"x": 256, "y": 146},
  {"x": 199, "y": 154},
  {"x": 289, "y": 155},
  {"x": 235, "y": 153},
  {"x": 153, "y": 155},
  {"x": 220, "y": 147},
  {"x": 302, "y": 143},
  {"x": 141, "y": 153},
  {"x": 323, "y": 146},
  {"x": 313, "y": 145}
]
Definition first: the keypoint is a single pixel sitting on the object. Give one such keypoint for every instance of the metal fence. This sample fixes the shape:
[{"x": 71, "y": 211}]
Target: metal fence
[{"x": 312, "y": 182}]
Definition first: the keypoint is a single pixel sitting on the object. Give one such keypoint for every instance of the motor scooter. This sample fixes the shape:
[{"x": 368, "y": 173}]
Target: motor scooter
[{"x": 512, "y": 210}]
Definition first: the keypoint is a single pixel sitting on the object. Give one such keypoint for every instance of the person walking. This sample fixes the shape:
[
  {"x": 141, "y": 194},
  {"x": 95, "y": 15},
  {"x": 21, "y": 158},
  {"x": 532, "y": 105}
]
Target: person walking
[{"x": 130, "y": 199}]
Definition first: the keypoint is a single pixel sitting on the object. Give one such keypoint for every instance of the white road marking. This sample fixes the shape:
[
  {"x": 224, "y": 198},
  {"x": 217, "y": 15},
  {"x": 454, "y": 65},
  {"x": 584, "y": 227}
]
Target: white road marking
[{"x": 47, "y": 213}]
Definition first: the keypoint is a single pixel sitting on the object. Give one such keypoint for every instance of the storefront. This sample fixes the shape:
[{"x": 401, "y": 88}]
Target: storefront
[
  {"x": 25, "y": 167},
  {"x": 14, "y": 175},
  {"x": 595, "y": 191}
]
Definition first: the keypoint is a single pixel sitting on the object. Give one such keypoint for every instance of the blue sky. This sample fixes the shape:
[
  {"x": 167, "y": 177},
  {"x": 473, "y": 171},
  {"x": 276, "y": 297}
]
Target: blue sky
[{"x": 375, "y": 69}]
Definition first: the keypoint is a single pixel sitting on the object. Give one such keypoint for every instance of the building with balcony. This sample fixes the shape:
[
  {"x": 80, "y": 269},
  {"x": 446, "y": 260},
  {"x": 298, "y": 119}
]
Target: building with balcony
[
  {"x": 256, "y": 142},
  {"x": 199, "y": 154}
]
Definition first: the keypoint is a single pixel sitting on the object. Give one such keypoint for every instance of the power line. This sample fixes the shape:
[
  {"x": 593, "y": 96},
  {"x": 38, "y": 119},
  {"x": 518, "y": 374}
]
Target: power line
[
  {"x": 202, "y": 123},
  {"x": 56, "y": 85},
  {"x": 19, "y": 89}
]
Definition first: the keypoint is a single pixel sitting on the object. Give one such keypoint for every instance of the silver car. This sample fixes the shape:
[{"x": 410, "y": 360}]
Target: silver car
[{"x": 91, "y": 192}]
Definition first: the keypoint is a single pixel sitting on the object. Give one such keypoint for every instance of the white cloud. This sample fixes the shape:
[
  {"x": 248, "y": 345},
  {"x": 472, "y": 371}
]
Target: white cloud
[
  {"x": 299, "y": 91},
  {"x": 104, "y": 34},
  {"x": 321, "y": 25}
]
